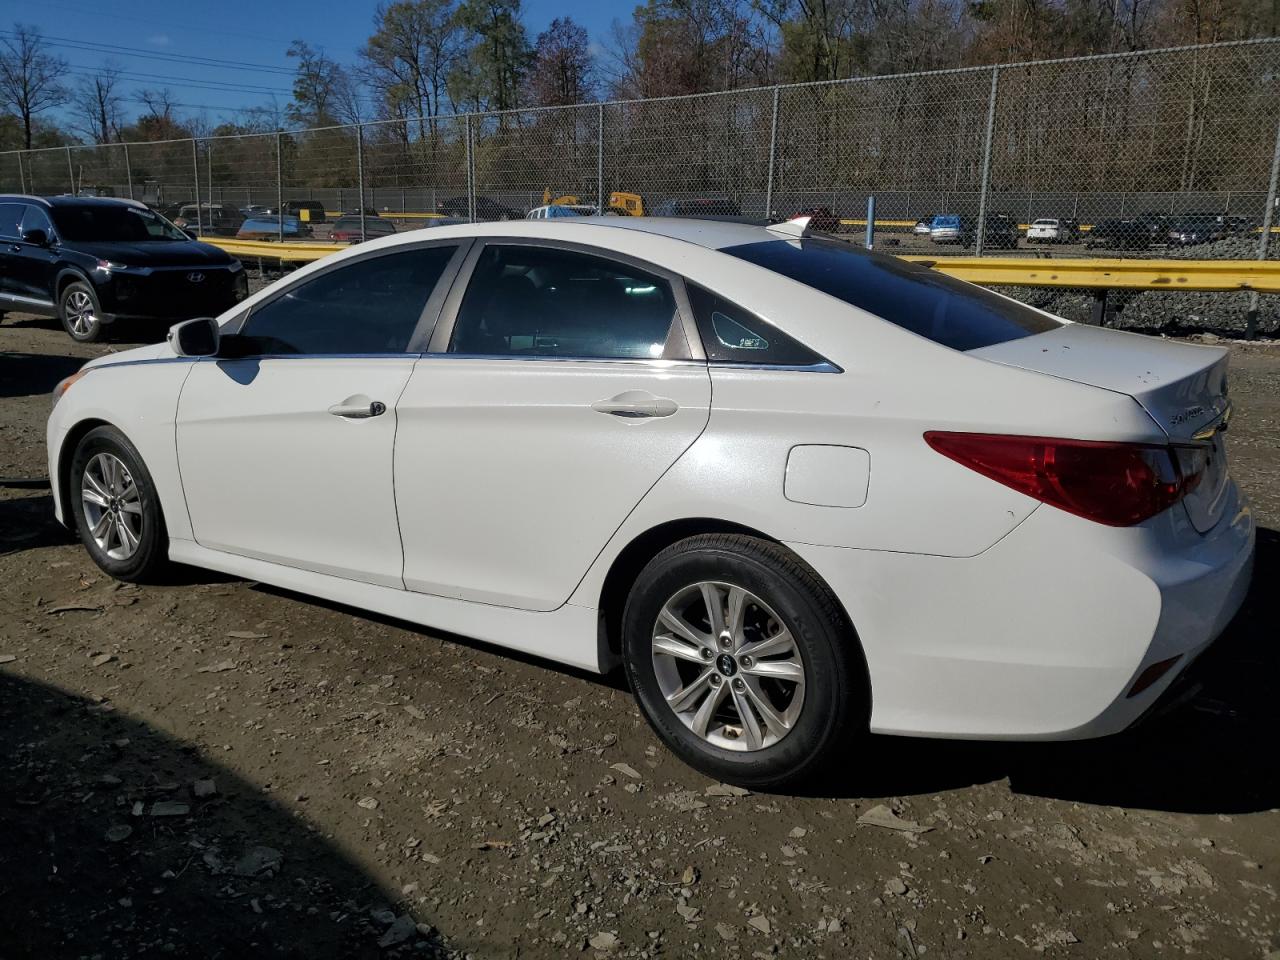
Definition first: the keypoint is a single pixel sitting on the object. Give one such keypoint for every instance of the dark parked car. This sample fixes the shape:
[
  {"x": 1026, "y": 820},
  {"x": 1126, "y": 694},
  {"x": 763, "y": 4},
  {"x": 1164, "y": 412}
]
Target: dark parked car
[
  {"x": 273, "y": 228},
  {"x": 308, "y": 211},
  {"x": 218, "y": 219},
  {"x": 698, "y": 207},
  {"x": 347, "y": 228},
  {"x": 820, "y": 219},
  {"x": 1001, "y": 231},
  {"x": 90, "y": 262},
  {"x": 486, "y": 209},
  {"x": 1190, "y": 231},
  {"x": 1120, "y": 235}
]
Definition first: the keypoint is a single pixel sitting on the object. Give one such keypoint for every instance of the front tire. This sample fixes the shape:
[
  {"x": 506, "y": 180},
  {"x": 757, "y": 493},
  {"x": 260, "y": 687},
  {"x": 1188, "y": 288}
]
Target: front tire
[
  {"x": 80, "y": 313},
  {"x": 116, "y": 507},
  {"x": 742, "y": 661}
]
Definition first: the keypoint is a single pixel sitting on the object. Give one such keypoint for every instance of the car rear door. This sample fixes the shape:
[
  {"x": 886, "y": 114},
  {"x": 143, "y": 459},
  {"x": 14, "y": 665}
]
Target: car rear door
[
  {"x": 561, "y": 384},
  {"x": 286, "y": 451}
]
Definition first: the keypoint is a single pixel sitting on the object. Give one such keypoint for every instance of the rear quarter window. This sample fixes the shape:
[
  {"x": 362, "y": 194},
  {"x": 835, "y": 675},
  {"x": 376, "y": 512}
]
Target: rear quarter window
[{"x": 916, "y": 298}]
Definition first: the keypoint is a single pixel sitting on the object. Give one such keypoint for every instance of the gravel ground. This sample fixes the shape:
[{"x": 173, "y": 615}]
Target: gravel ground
[{"x": 215, "y": 768}]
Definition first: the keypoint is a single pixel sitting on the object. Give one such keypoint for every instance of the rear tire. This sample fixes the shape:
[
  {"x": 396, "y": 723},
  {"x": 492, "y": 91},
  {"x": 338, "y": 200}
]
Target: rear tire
[
  {"x": 116, "y": 507},
  {"x": 767, "y": 721},
  {"x": 80, "y": 313}
]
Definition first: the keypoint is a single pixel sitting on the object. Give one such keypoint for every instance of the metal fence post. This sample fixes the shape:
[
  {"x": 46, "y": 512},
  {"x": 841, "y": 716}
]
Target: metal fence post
[
  {"x": 1264, "y": 241},
  {"x": 773, "y": 150},
  {"x": 360, "y": 176},
  {"x": 71, "y": 172},
  {"x": 22, "y": 180},
  {"x": 195, "y": 179},
  {"x": 279, "y": 189},
  {"x": 128, "y": 170},
  {"x": 986, "y": 162},
  {"x": 471, "y": 182},
  {"x": 208, "y": 177},
  {"x": 599, "y": 159}
]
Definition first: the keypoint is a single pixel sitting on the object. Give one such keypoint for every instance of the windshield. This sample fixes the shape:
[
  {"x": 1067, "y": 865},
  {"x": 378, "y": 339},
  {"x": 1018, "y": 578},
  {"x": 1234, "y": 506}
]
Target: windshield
[
  {"x": 106, "y": 223},
  {"x": 943, "y": 309}
]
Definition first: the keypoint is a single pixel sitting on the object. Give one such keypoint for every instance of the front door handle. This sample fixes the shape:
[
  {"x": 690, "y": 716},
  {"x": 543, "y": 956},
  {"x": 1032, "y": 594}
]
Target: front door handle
[
  {"x": 636, "y": 404},
  {"x": 358, "y": 407}
]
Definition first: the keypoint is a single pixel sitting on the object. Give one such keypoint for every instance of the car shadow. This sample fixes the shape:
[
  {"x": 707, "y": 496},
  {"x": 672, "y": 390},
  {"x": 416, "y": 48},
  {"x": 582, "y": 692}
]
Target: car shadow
[
  {"x": 1215, "y": 753},
  {"x": 108, "y": 849},
  {"x": 25, "y": 374},
  {"x": 27, "y": 523},
  {"x": 1211, "y": 754}
]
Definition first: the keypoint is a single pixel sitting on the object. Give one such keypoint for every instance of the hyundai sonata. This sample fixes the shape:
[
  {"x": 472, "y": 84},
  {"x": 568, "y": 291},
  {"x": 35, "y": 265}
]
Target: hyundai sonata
[{"x": 797, "y": 490}]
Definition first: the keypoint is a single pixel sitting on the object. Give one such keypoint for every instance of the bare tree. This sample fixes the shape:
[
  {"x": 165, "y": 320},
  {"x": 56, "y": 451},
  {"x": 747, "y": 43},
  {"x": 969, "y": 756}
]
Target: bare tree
[
  {"x": 562, "y": 72},
  {"x": 98, "y": 104},
  {"x": 408, "y": 59},
  {"x": 323, "y": 92},
  {"x": 29, "y": 76}
]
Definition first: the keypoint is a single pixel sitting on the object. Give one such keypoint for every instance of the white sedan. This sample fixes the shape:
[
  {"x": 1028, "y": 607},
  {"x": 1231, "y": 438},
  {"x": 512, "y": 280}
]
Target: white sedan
[{"x": 798, "y": 490}]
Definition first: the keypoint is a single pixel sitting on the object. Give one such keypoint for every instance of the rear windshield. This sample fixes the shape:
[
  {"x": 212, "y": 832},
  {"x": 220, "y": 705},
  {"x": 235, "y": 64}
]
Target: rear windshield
[
  {"x": 103, "y": 223},
  {"x": 931, "y": 304}
]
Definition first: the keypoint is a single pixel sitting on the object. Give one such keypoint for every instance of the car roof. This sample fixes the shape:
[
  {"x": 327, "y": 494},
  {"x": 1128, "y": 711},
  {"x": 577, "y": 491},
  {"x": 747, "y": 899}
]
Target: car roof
[{"x": 70, "y": 201}]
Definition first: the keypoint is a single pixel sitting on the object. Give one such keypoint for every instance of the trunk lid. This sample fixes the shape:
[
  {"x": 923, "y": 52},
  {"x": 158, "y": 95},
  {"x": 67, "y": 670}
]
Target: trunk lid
[{"x": 1182, "y": 386}]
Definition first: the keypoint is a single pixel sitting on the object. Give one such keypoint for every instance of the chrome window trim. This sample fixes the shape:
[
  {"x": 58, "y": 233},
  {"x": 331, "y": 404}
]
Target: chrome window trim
[
  {"x": 661, "y": 363},
  {"x": 427, "y": 318},
  {"x": 443, "y": 335},
  {"x": 825, "y": 366}
]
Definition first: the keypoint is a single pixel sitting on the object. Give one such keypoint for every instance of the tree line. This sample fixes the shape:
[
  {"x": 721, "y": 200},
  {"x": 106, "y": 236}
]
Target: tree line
[{"x": 428, "y": 58}]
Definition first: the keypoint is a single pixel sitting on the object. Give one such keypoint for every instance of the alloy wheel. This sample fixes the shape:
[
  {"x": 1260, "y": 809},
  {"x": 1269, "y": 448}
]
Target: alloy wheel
[
  {"x": 728, "y": 666},
  {"x": 80, "y": 312},
  {"x": 112, "y": 506}
]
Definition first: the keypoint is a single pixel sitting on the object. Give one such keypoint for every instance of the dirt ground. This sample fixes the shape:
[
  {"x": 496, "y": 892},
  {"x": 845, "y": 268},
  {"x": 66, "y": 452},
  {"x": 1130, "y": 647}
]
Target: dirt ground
[{"x": 215, "y": 768}]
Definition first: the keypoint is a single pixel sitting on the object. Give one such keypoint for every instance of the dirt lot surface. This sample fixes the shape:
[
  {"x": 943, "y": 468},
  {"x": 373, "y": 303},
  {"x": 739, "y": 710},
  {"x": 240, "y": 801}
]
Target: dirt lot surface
[{"x": 214, "y": 768}]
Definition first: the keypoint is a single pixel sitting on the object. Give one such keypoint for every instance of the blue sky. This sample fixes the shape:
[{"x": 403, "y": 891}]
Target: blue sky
[{"x": 247, "y": 31}]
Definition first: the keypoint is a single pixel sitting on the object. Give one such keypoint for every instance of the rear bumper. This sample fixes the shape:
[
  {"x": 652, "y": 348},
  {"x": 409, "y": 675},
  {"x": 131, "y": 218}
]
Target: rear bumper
[{"x": 1042, "y": 636}]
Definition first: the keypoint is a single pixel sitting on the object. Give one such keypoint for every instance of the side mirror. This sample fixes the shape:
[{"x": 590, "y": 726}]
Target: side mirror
[
  {"x": 36, "y": 237},
  {"x": 195, "y": 338}
]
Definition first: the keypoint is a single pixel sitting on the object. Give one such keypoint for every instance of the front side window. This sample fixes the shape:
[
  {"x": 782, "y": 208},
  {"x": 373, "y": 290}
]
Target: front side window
[
  {"x": 732, "y": 334},
  {"x": 945, "y": 310},
  {"x": 10, "y": 218},
  {"x": 36, "y": 219},
  {"x": 550, "y": 302},
  {"x": 367, "y": 307}
]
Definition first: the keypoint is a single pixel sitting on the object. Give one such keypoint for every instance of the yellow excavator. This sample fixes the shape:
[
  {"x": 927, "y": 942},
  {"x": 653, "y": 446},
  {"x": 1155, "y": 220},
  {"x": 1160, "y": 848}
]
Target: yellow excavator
[{"x": 620, "y": 204}]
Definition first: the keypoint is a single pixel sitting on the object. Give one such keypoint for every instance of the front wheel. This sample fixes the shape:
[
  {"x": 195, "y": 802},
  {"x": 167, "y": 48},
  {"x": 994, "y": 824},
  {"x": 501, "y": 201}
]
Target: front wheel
[
  {"x": 80, "y": 313},
  {"x": 116, "y": 507},
  {"x": 742, "y": 662}
]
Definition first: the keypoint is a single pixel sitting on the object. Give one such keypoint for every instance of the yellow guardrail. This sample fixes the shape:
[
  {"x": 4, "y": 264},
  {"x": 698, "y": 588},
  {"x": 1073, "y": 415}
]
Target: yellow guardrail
[
  {"x": 1215, "y": 276},
  {"x": 1201, "y": 275},
  {"x": 295, "y": 252},
  {"x": 387, "y": 215}
]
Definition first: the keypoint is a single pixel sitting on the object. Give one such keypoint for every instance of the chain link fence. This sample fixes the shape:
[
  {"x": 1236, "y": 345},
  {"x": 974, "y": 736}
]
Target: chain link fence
[{"x": 1169, "y": 153}]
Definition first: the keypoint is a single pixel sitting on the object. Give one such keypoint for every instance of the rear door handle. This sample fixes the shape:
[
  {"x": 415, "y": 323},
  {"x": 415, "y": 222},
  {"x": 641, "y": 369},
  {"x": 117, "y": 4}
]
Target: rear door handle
[
  {"x": 636, "y": 404},
  {"x": 358, "y": 407}
]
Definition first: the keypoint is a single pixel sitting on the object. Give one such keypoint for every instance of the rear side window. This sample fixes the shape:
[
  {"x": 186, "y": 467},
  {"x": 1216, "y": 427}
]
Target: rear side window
[
  {"x": 731, "y": 334},
  {"x": 370, "y": 306},
  {"x": 529, "y": 301},
  {"x": 916, "y": 298}
]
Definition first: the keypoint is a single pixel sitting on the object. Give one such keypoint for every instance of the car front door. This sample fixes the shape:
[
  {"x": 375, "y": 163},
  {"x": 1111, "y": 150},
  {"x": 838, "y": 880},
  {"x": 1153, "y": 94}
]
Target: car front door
[
  {"x": 286, "y": 452},
  {"x": 560, "y": 385},
  {"x": 10, "y": 249},
  {"x": 35, "y": 264}
]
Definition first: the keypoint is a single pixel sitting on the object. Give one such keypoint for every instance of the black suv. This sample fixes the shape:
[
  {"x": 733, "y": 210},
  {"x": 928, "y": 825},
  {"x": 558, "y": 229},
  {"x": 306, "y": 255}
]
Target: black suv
[
  {"x": 89, "y": 262},
  {"x": 1001, "y": 231}
]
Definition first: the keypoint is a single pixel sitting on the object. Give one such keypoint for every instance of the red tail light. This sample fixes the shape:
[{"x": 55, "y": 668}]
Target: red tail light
[{"x": 1119, "y": 484}]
